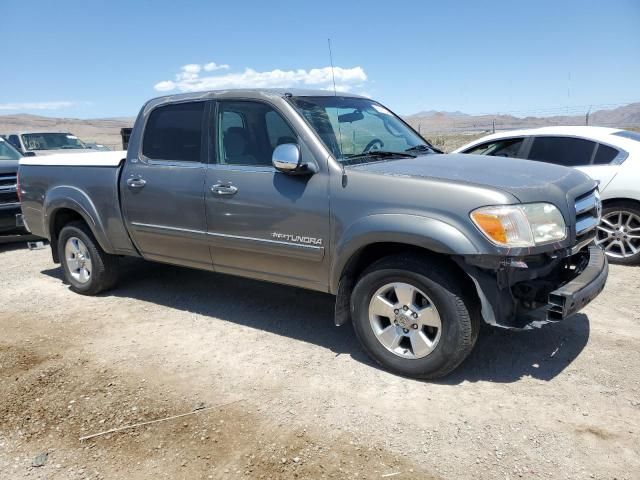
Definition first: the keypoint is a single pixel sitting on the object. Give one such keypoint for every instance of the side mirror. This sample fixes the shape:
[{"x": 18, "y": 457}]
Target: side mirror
[
  {"x": 286, "y": 158},
  {"x": 29, "y": 154}
]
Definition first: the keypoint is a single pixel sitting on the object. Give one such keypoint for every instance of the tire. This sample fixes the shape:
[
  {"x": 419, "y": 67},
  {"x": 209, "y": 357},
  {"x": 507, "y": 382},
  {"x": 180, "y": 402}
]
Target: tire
[
  {"x": 103, "y": 267},
  {"x": 615, "y": 215},
  {"x": 458, "y": 315}
]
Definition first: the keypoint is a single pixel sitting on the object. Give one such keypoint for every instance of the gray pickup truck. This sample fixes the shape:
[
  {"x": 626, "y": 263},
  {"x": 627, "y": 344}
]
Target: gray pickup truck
[{"x": 332, "y": 193}]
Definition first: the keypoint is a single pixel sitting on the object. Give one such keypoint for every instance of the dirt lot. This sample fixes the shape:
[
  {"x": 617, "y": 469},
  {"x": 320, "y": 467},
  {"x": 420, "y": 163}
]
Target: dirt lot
[{"x": 561, "y": 402}]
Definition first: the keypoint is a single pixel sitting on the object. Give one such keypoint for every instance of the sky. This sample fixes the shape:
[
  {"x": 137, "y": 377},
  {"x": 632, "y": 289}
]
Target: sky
[{"x": 104, "y": 58}]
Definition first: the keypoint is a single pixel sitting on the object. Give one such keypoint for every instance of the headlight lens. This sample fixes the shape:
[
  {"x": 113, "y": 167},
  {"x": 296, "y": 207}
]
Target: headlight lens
[{"x": 521, "y": 225}]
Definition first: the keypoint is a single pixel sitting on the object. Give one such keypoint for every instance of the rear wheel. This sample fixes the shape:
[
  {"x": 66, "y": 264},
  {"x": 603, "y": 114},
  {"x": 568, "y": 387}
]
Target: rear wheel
[
  {"x": 619, "y": 233},
  {"x": 88, "y": 269},
  {"x": 411, "y": 316}
]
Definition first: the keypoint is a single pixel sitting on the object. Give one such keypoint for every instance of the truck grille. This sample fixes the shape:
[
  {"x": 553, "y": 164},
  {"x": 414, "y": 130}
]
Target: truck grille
[
  {"x": 8, "y": 190},
  {"x": 588, "y": 210}
]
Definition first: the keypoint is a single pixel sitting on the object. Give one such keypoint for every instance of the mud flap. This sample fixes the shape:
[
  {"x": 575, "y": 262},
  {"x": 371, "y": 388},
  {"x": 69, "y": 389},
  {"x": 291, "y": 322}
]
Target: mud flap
[{"x": 342, "y": 313}]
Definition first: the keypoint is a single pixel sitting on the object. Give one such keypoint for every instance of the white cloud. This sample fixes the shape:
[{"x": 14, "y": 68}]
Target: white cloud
[
  {"x": 37, "y": 105},
  {"x": 165, "y": 86},
  {"x": 210, "y": 67},
  {"x": 191, "y": 68},
  {"x": 189, "y": 78}
]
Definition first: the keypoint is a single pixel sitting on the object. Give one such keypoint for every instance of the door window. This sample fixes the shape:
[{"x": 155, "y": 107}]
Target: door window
[
  {"x": 508, "y": 147},
  {"x": 248, "y": 132},
  {"x": 174, "y": 132},
  {"x": 278, "y": 130},
  {"x": 567, "y": 151}
]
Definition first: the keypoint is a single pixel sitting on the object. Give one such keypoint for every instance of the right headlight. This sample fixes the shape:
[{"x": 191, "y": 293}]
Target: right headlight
[{"x": 524, "y": 225}]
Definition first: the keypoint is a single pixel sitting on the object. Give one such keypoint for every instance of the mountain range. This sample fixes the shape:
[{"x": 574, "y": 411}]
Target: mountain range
[
  {"x": 433, "y": 121},
  {"x": 107, "y": 131}
]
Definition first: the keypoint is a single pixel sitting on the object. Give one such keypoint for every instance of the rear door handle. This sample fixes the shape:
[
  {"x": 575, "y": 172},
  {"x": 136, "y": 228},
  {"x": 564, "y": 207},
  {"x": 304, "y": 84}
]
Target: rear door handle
[
  {"x": 136, "y": 183},
  {"x": 221, "y": 189}
]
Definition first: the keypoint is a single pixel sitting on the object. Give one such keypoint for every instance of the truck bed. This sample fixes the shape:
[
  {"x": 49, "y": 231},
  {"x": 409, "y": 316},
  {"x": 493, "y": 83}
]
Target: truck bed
[{"x": 86, "y": 182}]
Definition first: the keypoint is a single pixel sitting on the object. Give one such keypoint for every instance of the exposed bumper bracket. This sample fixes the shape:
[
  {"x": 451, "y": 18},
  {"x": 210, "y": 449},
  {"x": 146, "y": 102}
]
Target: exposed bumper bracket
[{"x": 577, "y": 293}]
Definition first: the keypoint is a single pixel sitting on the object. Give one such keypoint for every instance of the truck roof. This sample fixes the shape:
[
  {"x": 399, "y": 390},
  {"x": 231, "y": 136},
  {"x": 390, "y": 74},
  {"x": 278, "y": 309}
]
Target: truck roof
[{"x": 256, "y": 93}]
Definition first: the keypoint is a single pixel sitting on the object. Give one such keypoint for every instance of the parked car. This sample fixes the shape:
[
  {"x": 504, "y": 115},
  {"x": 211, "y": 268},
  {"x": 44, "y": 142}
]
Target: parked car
[
  {"x": 9, "y": 203},
  {"x": 609, "y": 155},
  {"x": 335, "y": 194},
  {"x": 46, "y": 143}
]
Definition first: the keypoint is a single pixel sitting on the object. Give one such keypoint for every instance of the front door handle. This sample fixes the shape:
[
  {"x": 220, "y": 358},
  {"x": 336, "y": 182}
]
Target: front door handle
[
  {"x": 221, "y": 189},
  {"x": 136, "y": 183}
]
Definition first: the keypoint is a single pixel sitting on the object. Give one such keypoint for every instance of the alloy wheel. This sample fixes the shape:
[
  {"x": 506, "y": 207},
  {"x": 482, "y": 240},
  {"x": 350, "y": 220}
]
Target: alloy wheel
[
  {"x": 78, "y": 260},
  {"x": 619, "y": 234},
  {"x": 405, "y": 320}
]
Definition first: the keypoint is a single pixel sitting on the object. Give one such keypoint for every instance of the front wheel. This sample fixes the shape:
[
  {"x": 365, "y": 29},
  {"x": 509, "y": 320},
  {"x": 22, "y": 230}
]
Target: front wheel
[
  {"x": 88, "y": 269},
  {"x": 411, "y": 316}
]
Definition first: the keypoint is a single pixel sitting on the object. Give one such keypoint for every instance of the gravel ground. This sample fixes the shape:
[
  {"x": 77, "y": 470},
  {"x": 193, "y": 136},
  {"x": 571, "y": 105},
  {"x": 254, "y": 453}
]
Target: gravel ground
[{"x": 292, "y": 396}]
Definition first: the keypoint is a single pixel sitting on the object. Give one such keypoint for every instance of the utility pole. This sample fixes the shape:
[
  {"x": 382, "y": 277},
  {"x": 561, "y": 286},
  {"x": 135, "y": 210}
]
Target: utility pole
[
  {"x": 586, "y": 120},
  {"x": 568, "y": 91},
  {"x": 493, "y": 125}
]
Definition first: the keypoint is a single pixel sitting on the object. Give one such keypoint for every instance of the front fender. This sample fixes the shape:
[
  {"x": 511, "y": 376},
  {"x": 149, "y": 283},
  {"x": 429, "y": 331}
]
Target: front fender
[
  {"x": 425, "y": 232},
  {"x": 72, "y": 198}
]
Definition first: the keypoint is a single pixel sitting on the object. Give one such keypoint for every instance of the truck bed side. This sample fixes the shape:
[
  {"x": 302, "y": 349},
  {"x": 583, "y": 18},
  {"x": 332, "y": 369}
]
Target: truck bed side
[{"x": 85, "y": 185}]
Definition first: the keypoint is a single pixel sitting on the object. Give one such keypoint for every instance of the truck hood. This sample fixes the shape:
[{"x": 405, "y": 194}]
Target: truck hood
[{"x": 526, "y": 180}]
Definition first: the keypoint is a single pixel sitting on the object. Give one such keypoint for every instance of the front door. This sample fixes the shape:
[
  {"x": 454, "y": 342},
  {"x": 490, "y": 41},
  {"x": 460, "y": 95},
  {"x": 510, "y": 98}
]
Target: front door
[
  {"x": 162, "y": 187},
  {"x": 263, "y": 223}
]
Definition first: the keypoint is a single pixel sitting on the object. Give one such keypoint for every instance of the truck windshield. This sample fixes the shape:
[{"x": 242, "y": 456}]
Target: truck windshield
[
  {"x": 51, "y": 141},
  {"x": 358, "y": 128},
  {"x": 7, "y": 152}
]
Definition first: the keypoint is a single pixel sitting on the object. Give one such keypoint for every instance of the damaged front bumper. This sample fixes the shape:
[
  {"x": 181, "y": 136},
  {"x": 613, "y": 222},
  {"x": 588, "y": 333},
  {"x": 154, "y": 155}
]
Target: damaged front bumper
[{"x": 527, "y": 292}]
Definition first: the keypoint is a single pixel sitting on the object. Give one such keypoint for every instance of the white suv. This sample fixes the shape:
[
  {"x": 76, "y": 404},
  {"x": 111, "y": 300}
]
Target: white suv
[{"x": 609, "y": 155}]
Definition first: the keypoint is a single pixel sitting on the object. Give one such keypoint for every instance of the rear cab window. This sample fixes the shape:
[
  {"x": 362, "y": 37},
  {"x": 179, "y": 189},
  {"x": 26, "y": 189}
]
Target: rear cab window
[
  {"x": 13, "y": 140},
  {"x": 174, "y": 132}
]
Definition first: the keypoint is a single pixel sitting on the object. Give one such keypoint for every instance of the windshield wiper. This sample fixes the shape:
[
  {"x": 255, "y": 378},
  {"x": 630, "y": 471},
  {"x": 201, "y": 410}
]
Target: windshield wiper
[
  {"x": 378, "y": 154},
  {"x": 423, "y": 147}
]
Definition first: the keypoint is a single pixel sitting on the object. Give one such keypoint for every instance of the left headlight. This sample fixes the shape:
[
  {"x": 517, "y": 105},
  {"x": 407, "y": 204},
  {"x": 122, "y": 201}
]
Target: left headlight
[{"x": 524, "y": 225}]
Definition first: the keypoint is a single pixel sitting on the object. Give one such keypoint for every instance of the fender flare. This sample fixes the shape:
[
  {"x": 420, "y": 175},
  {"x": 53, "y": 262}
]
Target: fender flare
[
  {"x": 425, "y": 232},
  {"x": 72, "y": 198}
]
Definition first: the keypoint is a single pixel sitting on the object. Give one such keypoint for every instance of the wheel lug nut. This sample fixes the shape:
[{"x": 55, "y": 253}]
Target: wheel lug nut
[
  {"x": 415, "y": 315},
  {"x": 405, "y": 308},
  {"x": 396, "y": 311},
  {"x": 414, "y": 326},
  {"x": 405, "y": 330}
]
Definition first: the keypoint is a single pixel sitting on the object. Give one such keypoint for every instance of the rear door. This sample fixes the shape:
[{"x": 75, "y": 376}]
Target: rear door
[
  {"x": 162, "y": 186},
  {"x": 263, "y": 223},
  {"x": 605, "y": 164}
]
